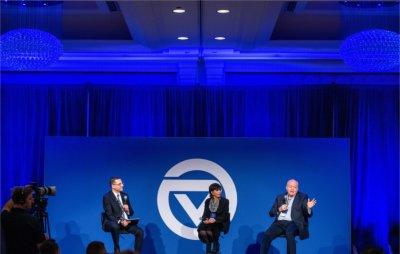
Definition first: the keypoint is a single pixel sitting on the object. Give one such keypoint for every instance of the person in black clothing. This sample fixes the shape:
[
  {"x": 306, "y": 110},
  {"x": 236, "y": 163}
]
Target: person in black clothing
[
  {"x": 96, "y": 247},
  {"x": 49, "y": 247},
  {"x": 117, "y": 208},
  {"x": 216, "y": 218},
  {"x": 22, "y": 232},
  {"x": 6, "y": 208},
  {"x": 291, "y": 211}
]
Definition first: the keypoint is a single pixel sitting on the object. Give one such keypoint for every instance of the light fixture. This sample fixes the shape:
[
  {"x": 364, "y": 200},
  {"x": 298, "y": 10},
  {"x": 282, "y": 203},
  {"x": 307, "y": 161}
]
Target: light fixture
[
  {"x": 219, "y": 38},
  {"x": 179, "y": 10},
  {"x": 36, "y": 3},
  {"x": 371, "y": 50},
  {"x": 223, "y": 11},
  {"x": 368, "y": 4},
  {"x": 28, "y": 49},
  {"x": 183, "y": 38}
]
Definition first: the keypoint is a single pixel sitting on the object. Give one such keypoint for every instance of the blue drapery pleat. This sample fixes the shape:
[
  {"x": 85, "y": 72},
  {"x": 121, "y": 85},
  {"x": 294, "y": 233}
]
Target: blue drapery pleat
[{"x": 368, "y": 115}]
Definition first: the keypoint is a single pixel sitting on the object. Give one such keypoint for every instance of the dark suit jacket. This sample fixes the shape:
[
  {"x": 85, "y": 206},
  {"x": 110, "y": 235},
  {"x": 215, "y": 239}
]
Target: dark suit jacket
[
  {"x": 299, "y": 212},
  {"x": 222, "y": 216},
  {"x": 112, "y": 208}
]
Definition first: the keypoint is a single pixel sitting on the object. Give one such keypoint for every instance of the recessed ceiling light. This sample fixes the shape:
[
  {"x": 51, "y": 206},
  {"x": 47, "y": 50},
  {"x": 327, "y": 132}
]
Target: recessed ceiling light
[
  {"x": 223, "y": 11},
  {"x": 219, "y": 38},
  {"x": 179, "y": 10},
  {"x": 183, "y": 38}
]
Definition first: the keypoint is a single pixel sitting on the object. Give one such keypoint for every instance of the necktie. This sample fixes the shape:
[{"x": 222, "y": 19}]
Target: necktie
[{"x": 120, "y": 204}]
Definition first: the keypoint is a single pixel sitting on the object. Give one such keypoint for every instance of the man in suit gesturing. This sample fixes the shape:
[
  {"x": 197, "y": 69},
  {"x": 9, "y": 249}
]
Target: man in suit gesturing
[
  {"x": 291, "y": 211},
  {"x": 117, "y": 208}
]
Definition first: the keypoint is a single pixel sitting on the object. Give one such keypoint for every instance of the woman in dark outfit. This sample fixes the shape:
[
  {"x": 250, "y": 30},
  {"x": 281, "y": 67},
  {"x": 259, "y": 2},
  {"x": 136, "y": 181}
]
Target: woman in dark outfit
[{"x": 216, "y": 218}]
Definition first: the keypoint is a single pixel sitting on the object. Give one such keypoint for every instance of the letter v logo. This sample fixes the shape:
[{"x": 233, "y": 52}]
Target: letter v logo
[{"x": 181, "y": 185}]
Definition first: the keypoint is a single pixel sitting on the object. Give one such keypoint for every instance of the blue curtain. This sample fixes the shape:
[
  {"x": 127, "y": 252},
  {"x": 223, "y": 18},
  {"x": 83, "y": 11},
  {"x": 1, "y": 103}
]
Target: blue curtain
[{"x": 368, "y": 115}]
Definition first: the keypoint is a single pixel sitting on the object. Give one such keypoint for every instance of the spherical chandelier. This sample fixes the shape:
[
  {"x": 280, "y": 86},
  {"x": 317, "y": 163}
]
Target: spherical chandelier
[
  {"x": 29, "y": 49},
  {"x": 371, "y": 50}
]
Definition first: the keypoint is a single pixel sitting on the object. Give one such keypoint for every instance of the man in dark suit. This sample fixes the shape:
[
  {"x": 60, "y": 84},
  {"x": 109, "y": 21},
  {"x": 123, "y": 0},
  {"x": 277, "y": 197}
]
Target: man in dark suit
[
  {"x": 117, "y": 208},
  {"x": 291, "y": 211}
]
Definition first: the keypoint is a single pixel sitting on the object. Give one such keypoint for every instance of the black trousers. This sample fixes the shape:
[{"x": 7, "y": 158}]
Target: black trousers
[
  {"x": 278, "y": 228},
  {"x": 209, "y": 234},
  {"x": 116, "y": 229}
]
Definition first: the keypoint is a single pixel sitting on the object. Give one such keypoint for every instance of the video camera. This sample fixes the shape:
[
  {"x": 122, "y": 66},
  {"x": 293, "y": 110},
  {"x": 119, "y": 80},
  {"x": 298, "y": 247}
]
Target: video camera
[
  {"x": 40, "y": 204},
  {"x": 43, "y": 190},
  {"x": 39, "y": 195}
]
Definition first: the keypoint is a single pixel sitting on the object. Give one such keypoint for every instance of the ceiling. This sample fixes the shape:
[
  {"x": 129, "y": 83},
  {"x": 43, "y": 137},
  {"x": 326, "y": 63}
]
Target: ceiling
[
  {"x": 260, "y": 36},
  {"x": 251, "y": 26}
]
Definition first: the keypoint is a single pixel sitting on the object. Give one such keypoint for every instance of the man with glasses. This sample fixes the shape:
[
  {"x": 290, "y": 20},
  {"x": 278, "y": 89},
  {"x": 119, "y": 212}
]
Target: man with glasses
[{"x": 117, "y": 208}]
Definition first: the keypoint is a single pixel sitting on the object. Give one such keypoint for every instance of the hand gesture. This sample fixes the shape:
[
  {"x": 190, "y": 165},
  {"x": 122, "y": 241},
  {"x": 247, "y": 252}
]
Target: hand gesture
[
  {"x": 125, "y": 223},
  {"x": 311, "y": 203},
  {"x": 126, "y": 208},
  {"x": 283, "y": 208}
]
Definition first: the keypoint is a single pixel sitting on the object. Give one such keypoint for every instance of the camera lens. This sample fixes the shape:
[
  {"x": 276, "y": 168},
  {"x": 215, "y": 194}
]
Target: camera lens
[{"x": 47, "y": 190}]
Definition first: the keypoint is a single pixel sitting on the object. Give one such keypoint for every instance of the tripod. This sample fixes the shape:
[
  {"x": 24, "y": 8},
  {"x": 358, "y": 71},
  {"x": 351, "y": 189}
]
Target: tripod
[{"x": 42, "y": 215}]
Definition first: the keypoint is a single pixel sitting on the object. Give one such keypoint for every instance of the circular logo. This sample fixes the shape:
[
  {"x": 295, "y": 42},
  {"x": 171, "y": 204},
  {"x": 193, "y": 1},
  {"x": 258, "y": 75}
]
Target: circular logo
[{"x": 192, "y": 185}]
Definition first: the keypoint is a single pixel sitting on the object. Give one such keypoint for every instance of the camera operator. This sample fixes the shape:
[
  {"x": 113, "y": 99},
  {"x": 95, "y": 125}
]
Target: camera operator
[{"x": 22, "y": 232}]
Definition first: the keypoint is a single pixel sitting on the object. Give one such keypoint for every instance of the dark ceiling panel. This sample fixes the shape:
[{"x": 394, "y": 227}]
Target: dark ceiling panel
[{"x": 95, "y": 26}]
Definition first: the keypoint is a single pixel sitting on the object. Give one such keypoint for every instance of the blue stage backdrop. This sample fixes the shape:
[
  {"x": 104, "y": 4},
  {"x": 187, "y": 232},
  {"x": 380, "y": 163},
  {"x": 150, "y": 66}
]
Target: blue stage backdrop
[{"x": 167, "y": 180}]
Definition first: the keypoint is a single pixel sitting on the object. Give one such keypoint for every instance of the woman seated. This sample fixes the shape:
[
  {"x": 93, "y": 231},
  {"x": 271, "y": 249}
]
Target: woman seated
[{"x": 215, "y": 219}]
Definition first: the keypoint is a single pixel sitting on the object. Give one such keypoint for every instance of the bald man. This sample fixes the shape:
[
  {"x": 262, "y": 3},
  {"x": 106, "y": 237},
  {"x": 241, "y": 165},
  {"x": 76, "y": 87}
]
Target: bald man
[{"x": 291, "y": 211}]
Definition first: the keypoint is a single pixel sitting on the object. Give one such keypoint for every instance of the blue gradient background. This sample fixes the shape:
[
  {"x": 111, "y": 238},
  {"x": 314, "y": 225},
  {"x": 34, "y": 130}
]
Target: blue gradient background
[{"x": 259, "y": 167}]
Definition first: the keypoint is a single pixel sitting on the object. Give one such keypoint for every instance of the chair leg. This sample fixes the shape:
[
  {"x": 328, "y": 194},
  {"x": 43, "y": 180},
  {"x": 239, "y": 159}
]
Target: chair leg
[{"x": 212, "y": 248}]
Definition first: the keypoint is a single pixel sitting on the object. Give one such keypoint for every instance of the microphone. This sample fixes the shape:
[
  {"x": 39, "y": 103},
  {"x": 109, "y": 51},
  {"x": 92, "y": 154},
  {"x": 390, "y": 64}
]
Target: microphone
[
  {"x": 125, "y": 199},
  {"x": 125, "y": 202},
  {"x": 285, "y": 202}
]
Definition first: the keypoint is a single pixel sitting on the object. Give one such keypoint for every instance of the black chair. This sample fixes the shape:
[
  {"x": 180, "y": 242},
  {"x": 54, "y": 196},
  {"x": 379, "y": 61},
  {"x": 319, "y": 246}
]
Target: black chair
[{"x": 226, "y": 224}]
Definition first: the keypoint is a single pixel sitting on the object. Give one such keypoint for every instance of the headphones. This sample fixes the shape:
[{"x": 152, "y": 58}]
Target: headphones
[{"x": 20, "y": 194}]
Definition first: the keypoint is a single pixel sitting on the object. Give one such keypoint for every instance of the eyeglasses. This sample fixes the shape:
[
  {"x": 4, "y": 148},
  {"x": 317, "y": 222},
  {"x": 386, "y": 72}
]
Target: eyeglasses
[{"x": 118, "y": 183}]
